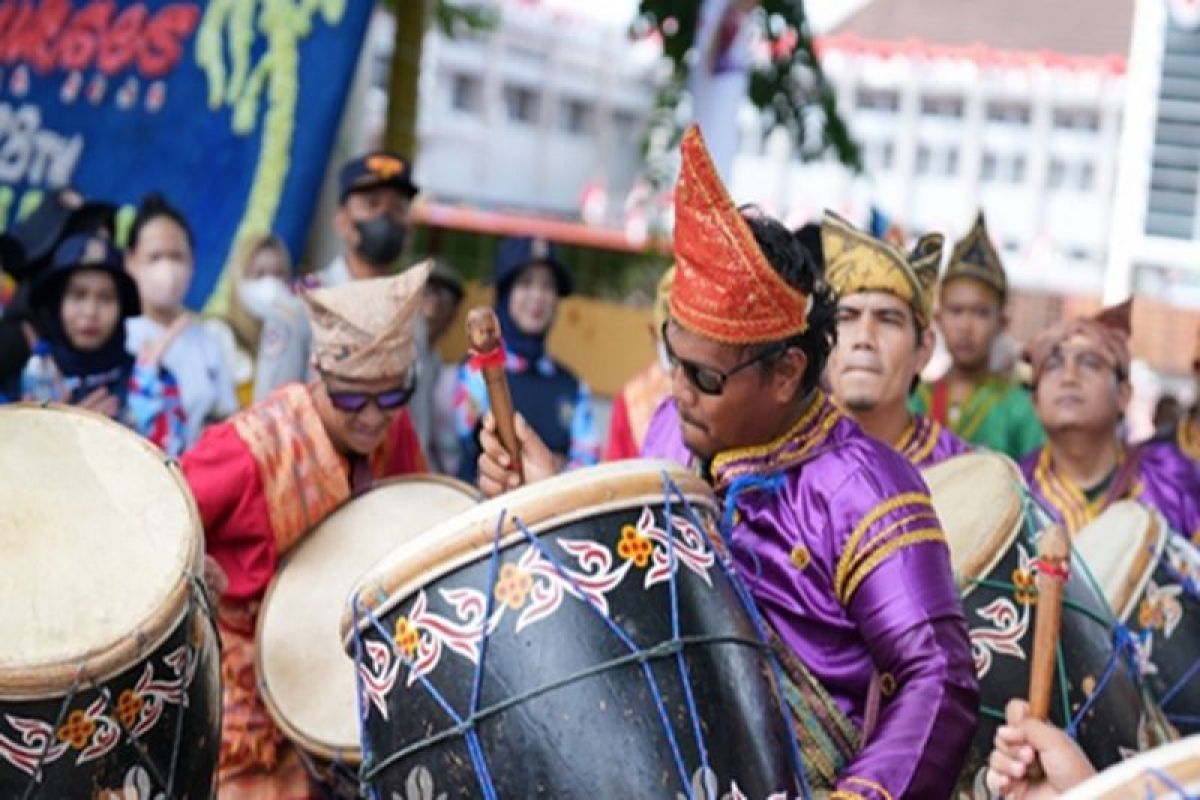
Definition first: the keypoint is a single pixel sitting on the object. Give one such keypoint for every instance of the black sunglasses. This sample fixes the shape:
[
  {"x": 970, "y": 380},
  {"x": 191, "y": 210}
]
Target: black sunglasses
[
  {"x": 710, "y": 380},
  {"x": 387, "y": 400}
]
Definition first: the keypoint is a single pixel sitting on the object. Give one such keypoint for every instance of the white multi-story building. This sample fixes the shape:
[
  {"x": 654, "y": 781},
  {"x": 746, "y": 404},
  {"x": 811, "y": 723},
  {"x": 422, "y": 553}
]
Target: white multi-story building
[
  {"x": 1013, "y": 106},
  {"x": 532, "y": 115}
]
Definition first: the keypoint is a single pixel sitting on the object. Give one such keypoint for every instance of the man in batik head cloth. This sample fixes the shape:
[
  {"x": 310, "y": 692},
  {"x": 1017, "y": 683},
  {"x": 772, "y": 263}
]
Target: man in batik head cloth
[
  {"x": 266, "y": 476},
  {"x": 883, "y": 337},
  {"x": 1081, "y": 389},
  {"x": 981, "y": 407},
  {"x": 833, "y": 531}
]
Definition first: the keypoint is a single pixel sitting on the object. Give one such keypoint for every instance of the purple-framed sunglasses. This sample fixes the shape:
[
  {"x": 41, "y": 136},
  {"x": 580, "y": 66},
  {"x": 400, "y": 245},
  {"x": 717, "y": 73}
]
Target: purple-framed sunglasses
[{"x": 387, "y": 400}]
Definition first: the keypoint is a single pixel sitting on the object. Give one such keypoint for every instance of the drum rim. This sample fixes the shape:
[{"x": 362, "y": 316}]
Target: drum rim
[
  {"x": 448, "y": 552},
  {"x": 968, "y": 580},
  {"x": 1144, "y": 564},
  {"x": 30, "y": 682},
  {"x": 322, "y": 749},
  {"x": 1116, "y": 781}
]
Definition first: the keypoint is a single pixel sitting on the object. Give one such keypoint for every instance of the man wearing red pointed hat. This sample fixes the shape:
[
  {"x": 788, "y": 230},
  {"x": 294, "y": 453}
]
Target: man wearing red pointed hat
[
  {"x": 1081, "y": 389},
  {"x": 267, "y": 475},
  {"x": 833, "y": 531},
  {"x": 885, "y": 299},
  {"x": 984, "y": 408}
]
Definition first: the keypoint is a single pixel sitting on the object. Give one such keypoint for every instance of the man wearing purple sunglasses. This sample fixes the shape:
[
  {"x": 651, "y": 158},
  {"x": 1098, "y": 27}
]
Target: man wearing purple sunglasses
[{"x": 269, "y": 474}]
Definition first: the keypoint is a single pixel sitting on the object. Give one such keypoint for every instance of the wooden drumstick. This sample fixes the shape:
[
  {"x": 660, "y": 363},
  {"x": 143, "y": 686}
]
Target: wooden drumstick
[
  {"x": 487, "y": 355},
  {"x": 1054, "y": 558}
]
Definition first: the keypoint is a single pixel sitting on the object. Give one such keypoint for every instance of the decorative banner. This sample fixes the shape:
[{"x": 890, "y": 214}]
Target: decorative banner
[{"x": 227, "y": 107}]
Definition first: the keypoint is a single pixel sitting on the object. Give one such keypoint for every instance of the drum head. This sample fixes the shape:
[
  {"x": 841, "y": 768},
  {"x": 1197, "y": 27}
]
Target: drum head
[
  {"x": 1121, "y": 548},
  {"x": 307, "y": 680},
  {"x": 1159, "y": 774},
  {"x": 97, "y": 533},
  {"x": 979, "y": 502},
  {"x": 469, "y": 536}
]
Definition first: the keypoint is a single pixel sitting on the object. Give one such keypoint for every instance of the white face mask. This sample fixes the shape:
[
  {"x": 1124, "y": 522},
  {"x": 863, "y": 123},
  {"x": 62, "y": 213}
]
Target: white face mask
[
  {"x": 258, "y": 295},
  {"x": 163, "y": 282}
]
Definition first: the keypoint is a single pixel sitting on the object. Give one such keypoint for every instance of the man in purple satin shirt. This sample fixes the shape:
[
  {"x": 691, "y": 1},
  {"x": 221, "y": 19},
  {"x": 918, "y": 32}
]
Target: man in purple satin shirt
[
  {"x": 832, "y": 531},
  {"x": 884, "y": 307},
  {"x": 1081, "y": 389}
]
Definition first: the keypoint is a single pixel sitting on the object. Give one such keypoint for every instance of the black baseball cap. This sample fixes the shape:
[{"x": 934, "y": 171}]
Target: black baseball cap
[{"x": 378, "y": 168}]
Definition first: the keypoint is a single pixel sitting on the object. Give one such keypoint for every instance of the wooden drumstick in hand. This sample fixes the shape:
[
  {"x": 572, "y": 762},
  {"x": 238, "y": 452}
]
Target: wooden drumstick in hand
[
  {"x": 487, "y": 355},
  {"x": 1053, "y": 570}
]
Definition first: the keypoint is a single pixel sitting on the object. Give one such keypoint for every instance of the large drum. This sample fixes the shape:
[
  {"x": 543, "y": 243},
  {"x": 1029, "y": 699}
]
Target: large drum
[
  {"x": 576, "y": 638},
  {"x": 1167, "y": 773},
  {"x": 992, "y": 526},
  {"x": 109, "y": 681},
  {"x": 306, "y": 680},
  {"x": 1149, "y": 576}
]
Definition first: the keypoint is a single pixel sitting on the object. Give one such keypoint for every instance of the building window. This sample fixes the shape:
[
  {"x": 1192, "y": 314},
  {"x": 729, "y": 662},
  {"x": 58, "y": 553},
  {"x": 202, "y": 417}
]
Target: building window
[
  {"x": 465, "y": 93},
  {"x": 943, "y": 106},
  {"x": 1003, "y": 168},
  {"x": 626, "y": 125},
  {"x": 880, "y": 156},
  {"x": 1057, "y": 175},
  {"x": 924, "y": 160},
  {"x": 877, "y": 100},
  {"x": 1087, "y": 177},
  {"x": 1077, "y": 119},
  {"x": 521, "y": 104},
  {"x": 1008, "y": 112},
  {"x": 577, "y": 117}
]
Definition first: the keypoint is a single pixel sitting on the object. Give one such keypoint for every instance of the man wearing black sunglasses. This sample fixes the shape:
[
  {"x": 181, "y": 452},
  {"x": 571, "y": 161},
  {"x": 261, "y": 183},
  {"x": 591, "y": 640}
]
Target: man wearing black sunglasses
[
  {"x": 267, "y": 475},
  {"x": 833, "y": 532}
]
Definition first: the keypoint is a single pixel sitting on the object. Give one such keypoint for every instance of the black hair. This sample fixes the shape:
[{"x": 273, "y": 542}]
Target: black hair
[
  {"x": 799, "y": 268},
  {"x": 153, "y": 206}
]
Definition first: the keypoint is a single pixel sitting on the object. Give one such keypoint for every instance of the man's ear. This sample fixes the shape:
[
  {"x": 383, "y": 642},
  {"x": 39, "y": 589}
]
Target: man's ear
[{"x": 788, "y": 374}]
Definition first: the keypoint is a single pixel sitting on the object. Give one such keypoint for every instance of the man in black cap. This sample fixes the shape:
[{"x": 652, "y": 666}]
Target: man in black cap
[
  {"x": 25, "y": 253},
  {"x": 374, "y": 194}
]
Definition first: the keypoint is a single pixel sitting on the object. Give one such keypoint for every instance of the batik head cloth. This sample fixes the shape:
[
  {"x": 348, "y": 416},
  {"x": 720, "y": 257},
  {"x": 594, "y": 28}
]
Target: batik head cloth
[
  {"x": 974, "y": 256},
  {"x": 1107, "y": 332}
]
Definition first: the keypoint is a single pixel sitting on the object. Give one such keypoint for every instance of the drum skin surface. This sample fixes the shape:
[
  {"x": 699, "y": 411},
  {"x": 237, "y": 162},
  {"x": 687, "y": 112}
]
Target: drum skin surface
[
  {"x": 109, "y": 674},
  {"x": 565, "y": 710},
  {"x": 1000, "y": 603},
  {"x": 306, "y": 679},
  {"x": 1171, "y": 772}
]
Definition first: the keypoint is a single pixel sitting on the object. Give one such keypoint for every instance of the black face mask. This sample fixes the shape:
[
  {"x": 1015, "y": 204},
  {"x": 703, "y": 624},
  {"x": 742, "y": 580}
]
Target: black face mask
[{"x": 380, "y": 240}]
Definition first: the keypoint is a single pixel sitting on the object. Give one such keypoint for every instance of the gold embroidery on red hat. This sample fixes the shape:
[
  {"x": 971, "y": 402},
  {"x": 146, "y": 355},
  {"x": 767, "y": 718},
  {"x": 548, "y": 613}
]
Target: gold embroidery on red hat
[{"x": 725, "y": 288}]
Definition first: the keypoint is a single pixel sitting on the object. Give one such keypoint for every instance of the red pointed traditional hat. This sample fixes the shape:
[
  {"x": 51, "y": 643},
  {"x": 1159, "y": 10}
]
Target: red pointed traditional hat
[{"x": 725, "y": 289}]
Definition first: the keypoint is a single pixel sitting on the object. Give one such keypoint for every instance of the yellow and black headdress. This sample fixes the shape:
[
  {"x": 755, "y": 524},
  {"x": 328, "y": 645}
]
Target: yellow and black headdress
[{"x": 974, "y": 256}]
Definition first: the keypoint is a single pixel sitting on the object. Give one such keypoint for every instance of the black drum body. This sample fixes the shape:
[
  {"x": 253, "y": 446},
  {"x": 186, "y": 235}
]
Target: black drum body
[
  {"x": 618, "y": 661},
  {"x": 150, "y": 731}
]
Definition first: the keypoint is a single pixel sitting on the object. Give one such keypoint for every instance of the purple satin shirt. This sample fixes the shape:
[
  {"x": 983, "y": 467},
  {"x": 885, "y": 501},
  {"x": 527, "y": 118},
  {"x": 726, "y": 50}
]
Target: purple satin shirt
[
  {"x": 848, "y": 563},
  {"x": 1165, "y": 479},
  {"x": 926, "y": 442}
]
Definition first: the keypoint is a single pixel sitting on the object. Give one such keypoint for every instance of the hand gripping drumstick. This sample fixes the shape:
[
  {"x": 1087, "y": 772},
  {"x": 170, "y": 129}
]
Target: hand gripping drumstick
[
  {"x": 487, "y": 356},
  {"x": 1053, "y": 570}
]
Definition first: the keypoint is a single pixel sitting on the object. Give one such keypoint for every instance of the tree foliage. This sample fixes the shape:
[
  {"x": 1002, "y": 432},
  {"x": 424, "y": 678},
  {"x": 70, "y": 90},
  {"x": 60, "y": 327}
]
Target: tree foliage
[{"x": 787, "y": 84}]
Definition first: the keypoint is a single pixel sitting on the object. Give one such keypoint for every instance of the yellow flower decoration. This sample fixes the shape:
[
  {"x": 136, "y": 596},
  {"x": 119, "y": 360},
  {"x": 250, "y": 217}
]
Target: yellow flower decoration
[
  {"x": 407, "y": 637},
  {"x": 635, "y": 547},
  {"x": 129, "y": 707},
  {"x": 1024, "y": 586},
  {"x": 77, "y": 730},
  {"x": 513, "y": 586}
]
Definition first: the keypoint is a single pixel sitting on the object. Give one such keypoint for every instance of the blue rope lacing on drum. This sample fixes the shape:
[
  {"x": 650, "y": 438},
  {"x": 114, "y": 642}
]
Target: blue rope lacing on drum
[
  {"x": 1170, "y": 783},
  {"x": 771, "y": 484},
  {"x": 1124, "y": 649}
]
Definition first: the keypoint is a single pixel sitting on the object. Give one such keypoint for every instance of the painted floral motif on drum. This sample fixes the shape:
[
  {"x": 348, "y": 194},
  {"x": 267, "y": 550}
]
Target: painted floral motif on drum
[
  {"x": 706, "y": 786},
  {"x": 1160, "y": 609},
  {"x": 1008, "y": 623},
  {"x": 137, "y": 786},
  {"x": 94, "y": 731},
  {"x": 419, "y": 786},
  {"x": 533, "y": 587}
]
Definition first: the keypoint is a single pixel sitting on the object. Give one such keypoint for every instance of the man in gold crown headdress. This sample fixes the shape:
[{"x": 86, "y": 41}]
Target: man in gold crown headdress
[
  {"x": 266, "y": 476},
  {"x": 885, "y": 301},
  {"x": 979, "y": 406},
  {"x": 833, "y": 531}
]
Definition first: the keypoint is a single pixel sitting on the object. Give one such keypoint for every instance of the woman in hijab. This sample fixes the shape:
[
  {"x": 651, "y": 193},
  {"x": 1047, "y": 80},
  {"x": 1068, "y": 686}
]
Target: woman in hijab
[
  {"x": 530, "y": 280},
  {"x": 81, "y": 303}
]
